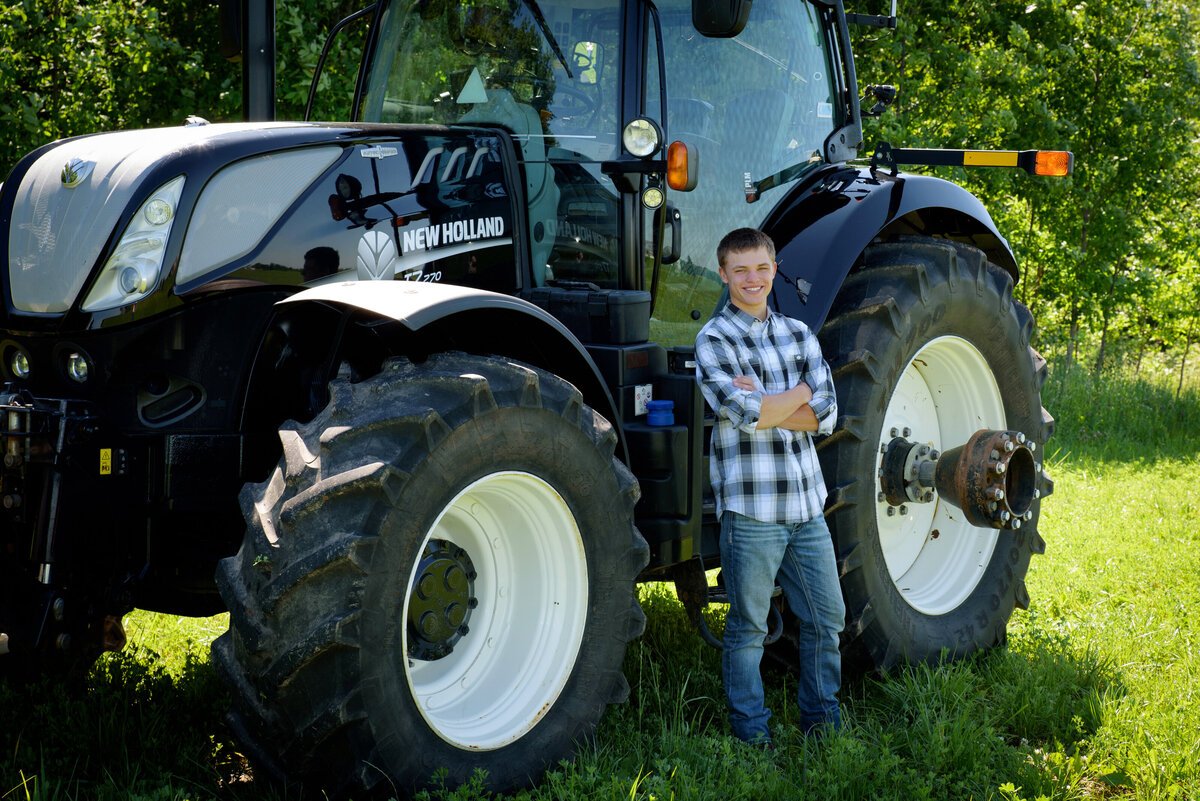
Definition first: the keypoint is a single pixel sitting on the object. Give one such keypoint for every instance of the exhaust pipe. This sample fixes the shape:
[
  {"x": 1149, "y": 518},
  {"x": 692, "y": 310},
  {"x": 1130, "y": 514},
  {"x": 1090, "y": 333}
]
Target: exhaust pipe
[{"x": 993, "y": 478}]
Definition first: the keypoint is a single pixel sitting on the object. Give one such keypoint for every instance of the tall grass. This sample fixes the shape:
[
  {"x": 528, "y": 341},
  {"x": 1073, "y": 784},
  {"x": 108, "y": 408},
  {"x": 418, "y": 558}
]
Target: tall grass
[{"x": 1095, "y": 696}]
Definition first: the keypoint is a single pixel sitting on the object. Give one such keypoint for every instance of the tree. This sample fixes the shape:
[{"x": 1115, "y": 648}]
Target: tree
[{"x": 74, "y": 67}]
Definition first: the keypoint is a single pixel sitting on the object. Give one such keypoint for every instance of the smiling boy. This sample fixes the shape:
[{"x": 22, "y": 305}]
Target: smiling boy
[{"x": 770, "y": 388}]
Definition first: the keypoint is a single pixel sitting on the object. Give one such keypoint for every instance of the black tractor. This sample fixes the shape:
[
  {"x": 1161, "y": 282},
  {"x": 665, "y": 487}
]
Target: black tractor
[{"x": 417, "y": 388}]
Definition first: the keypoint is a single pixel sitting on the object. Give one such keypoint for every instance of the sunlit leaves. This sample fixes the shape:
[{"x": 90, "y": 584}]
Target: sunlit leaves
[{"x": 1118, "y": 83}]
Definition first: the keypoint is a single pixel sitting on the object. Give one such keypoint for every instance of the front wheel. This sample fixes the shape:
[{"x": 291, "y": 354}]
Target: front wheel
[
  {"x": 438, "y": 579},
  {"x": 926, "y": 343}
]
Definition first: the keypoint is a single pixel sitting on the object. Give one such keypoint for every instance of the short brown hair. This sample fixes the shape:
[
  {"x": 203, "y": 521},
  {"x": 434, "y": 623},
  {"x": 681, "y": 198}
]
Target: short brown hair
[{"x": 740, "y": 240}]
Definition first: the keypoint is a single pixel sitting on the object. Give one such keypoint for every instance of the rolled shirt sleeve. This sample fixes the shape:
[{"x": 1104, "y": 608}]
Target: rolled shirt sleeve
[{"x": 819, "y": 378}]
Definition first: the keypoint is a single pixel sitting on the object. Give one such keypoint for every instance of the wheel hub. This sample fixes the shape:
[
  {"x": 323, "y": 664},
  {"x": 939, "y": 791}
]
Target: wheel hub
[
  {"x": 992, "y": 478},
  {"x": 442, "y": 599}
]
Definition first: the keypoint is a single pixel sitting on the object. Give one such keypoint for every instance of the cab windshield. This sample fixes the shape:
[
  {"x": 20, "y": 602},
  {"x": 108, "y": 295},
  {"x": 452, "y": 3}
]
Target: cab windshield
[
  {"x": 755, "y": 104},
  {"x": 548, "y": 72}
]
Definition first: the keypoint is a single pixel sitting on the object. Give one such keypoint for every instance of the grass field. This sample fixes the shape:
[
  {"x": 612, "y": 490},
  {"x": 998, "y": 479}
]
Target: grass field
[{"x": 1096, "y": 695}]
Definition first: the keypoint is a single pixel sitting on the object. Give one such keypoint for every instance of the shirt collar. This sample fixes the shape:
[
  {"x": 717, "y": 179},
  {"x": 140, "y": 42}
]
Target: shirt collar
[{"x": 744, "y": 319}]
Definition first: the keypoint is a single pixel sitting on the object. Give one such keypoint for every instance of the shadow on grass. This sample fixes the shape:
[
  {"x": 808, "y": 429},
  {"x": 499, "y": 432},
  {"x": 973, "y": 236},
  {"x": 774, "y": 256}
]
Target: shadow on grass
[
  {"x": 129, "y": 730},
  {"x": 953, "y": 730}
]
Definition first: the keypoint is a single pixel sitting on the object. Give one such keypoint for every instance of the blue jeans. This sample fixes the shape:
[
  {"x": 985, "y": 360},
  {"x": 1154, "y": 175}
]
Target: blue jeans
[{"x": 753, "y": 556}]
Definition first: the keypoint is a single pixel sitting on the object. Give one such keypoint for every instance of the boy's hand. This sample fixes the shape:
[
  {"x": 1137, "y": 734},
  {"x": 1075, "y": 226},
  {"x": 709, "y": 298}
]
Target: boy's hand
[{"x": 744, "y": 382}]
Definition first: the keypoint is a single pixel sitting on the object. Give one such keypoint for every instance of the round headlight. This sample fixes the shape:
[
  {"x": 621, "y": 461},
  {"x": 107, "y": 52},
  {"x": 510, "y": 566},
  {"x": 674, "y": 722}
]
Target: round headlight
[
  {"x": 132, "y": 280},
  {"x": 641, "y": 137},
  {"x": 20, "y": 365},
  {"x": 77, "y": 368},
  {"x": 158, "y": 212}
]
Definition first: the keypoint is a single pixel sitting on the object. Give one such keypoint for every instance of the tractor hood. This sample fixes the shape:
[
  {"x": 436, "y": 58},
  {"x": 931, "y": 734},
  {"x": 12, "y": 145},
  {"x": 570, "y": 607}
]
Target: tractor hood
[
  {"x": 69, "y": 201},
  {"x": 105, "y": 229}
]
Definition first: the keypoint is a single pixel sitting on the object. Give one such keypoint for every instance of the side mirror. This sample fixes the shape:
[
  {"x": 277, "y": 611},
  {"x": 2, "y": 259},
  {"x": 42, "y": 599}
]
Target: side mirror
[
  {"x": 720, "y": 18},
  {"x": 588, "y": 59}
]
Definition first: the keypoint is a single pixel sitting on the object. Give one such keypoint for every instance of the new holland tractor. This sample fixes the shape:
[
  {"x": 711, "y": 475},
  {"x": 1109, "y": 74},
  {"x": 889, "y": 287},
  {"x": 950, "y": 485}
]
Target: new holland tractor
[{"x": 412, "y": 395}]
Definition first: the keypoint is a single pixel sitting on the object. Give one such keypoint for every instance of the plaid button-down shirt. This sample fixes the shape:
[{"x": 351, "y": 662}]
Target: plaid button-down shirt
[{"x": 772, "y": 474}]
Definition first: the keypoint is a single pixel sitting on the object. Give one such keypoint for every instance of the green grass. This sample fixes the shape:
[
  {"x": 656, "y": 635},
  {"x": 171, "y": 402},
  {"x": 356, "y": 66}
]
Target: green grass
[{"x": 1096, "y": 696}]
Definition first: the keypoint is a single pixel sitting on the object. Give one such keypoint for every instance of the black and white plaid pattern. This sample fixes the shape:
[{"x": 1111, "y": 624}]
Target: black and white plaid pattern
[{"x": 770, "y": 475}]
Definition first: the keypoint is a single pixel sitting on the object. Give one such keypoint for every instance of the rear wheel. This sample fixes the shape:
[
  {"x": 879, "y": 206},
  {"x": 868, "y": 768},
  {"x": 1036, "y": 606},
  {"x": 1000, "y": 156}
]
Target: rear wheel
[
  {"x": 926, "y": 342},
  {"x": 438, "y": 577}
]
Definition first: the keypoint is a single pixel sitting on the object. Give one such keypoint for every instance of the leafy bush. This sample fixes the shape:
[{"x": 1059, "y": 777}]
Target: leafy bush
[{"x": 73, "y": 67}]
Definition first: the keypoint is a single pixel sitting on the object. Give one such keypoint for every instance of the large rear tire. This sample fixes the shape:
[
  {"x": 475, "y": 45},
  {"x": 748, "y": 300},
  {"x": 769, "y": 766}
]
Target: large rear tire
[
  {"x": 926, "y": 341},
  {"x": 438, "y": 579}
]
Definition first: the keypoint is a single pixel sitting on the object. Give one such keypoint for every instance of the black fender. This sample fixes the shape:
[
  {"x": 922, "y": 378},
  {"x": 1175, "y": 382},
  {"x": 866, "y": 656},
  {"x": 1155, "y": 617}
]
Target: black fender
[
  {"x": 418, "y": 318},
  {"x": 844, "y": 209}
]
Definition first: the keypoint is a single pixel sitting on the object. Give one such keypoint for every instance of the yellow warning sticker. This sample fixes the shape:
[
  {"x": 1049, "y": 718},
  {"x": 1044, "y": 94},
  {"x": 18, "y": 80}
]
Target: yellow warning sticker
[{"x": 106, "y": 461}]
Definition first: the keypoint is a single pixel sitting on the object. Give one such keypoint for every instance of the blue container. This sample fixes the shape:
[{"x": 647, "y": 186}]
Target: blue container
[{"x": 660, "y": 413}]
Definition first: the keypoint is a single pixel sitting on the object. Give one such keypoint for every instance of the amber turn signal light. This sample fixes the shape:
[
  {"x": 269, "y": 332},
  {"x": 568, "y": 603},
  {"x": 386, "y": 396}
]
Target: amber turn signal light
[
  {"x": 682, "y": 163},
  {"x": 1056, "y": 163}
]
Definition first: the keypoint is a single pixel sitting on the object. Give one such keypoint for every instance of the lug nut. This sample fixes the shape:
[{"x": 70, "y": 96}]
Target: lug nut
[
  {"x": 1031, "y": 445},
  {"x": 1016, "y": 524},
  {"x": 881, "y": 497},
  {"x": 891, "y": 511},
  {"x": 895, "y": 432},
  {"x": 59, "y": 608},
  {"x": 1009, "y": 447},
  {"x": 1028, "y": 514},
  {"x": 903, "y": 510},
  {"x": 907, "y": 432},
  {"x": 995, "y": 493},
  {"x": 1021, "y": 437}
]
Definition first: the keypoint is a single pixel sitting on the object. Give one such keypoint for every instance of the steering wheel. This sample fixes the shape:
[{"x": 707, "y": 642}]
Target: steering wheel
[{"x": 571, "y": 103}]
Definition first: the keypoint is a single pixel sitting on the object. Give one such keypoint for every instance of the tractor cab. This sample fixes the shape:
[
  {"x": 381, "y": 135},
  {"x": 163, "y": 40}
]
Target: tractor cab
[{"x": 594, "y": 91}]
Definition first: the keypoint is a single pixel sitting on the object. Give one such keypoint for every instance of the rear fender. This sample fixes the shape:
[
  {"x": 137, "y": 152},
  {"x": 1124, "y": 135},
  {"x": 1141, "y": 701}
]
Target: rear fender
[{"x": 841, "y": 213}]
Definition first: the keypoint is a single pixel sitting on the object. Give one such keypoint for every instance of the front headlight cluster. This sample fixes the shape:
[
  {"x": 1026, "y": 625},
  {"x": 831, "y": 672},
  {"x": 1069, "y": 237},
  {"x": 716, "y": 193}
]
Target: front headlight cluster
[{"x": 133, "y": 269}]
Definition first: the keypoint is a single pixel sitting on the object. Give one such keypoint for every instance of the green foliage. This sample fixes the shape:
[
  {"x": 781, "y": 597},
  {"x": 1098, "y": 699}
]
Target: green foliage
[
  {"x": 301, "y": 30},
  {"x": 1109, "y": 253},
  {"x": 74, "y": 67}
]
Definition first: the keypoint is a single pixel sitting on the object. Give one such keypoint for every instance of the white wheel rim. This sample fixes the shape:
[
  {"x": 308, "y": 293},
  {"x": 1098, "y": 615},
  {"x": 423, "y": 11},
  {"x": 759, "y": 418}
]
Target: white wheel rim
[
  {"x": 506, "y": 673},
  {"x": 934, "y": 556}
]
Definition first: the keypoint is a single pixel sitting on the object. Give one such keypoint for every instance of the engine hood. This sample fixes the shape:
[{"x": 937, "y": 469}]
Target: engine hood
[{"x": 67, "y": 204}]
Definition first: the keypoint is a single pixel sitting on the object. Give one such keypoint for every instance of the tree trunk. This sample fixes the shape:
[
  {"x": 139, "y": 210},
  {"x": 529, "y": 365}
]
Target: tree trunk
[
  {"x": 1073, "y": 340},
  {"x": 1183, "y": 363}
]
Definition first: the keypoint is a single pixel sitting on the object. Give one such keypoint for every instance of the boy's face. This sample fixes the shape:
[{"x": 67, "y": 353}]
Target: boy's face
[{"x": 749, "y": 274}]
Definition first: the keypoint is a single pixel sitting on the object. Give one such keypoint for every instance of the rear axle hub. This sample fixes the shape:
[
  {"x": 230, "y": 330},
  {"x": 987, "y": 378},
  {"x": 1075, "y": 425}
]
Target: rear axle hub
[{"x": 992, "y": 478}]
